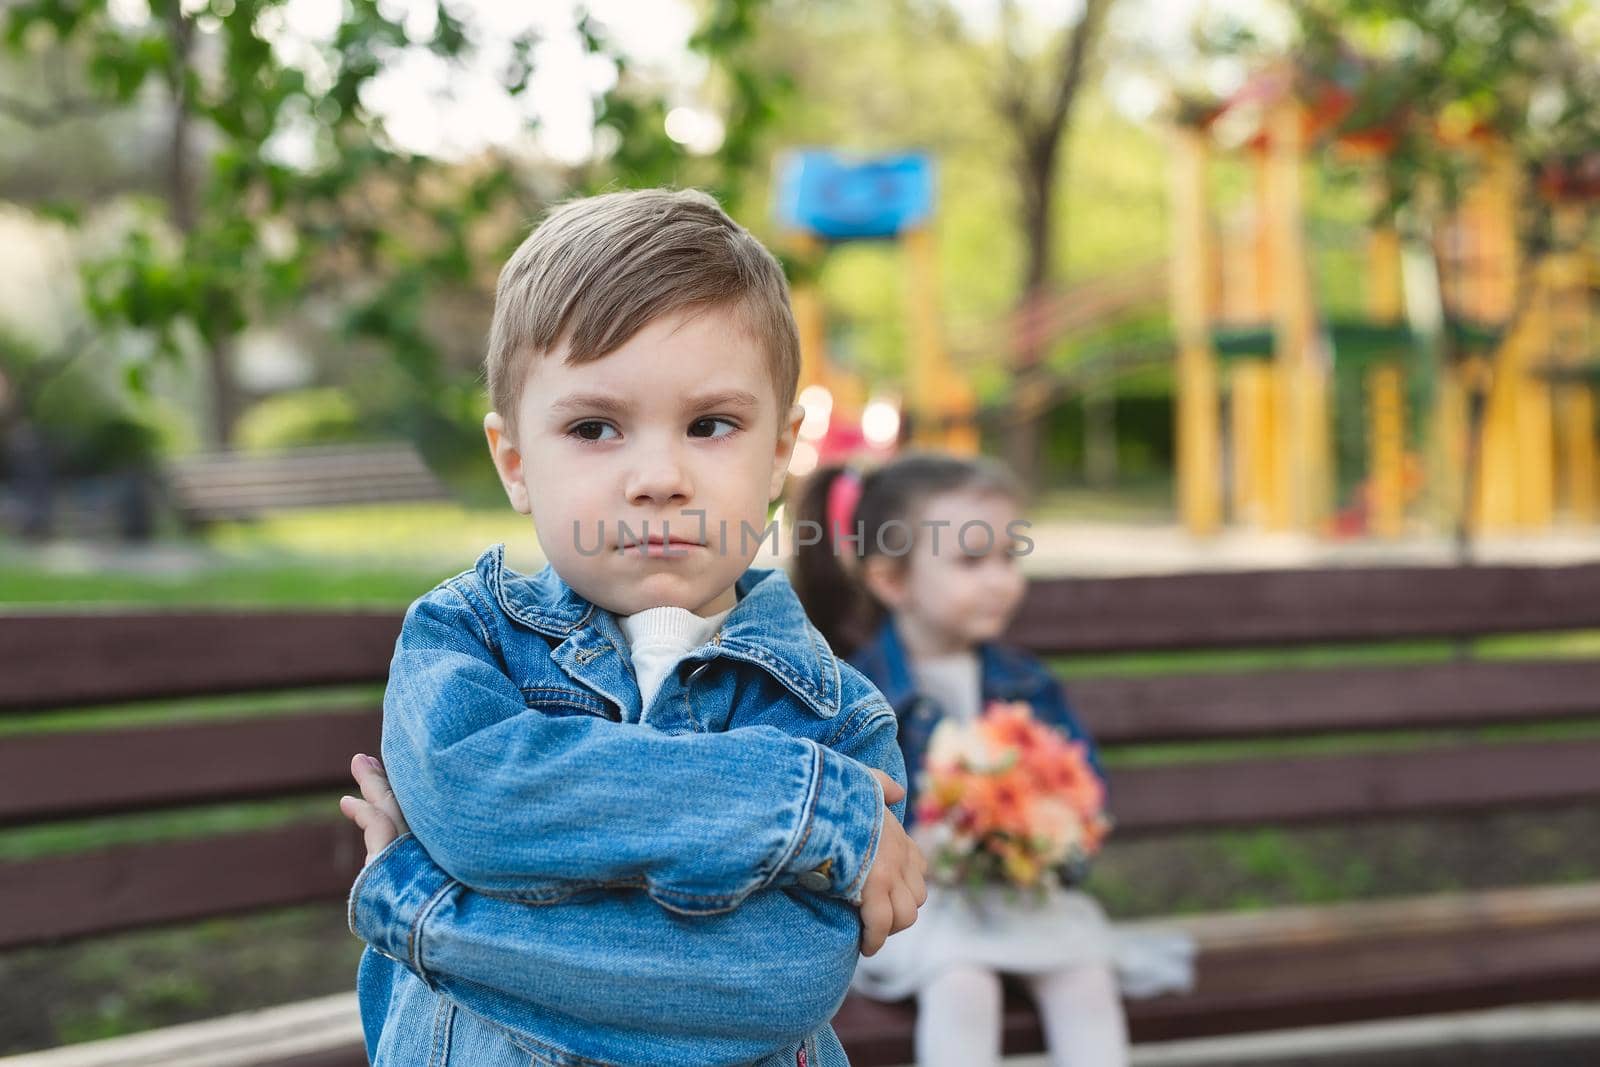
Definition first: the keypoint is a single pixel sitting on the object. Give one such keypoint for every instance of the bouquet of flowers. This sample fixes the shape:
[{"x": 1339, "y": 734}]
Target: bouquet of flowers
[{"x": 1008, "y": 799}]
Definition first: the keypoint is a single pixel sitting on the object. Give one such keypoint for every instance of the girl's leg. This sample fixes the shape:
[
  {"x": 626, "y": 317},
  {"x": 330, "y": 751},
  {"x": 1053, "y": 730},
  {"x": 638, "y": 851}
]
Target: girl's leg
[
  {"x": 958, "y": 1019},
  {"x": 1082, "y": 1013}
]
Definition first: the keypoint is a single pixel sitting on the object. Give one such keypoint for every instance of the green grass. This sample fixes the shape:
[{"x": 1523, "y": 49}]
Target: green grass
[
  {"x": 1583, "y": 644},
  {"x": 1339, "y": 744},
  {"x": 1211, "y": 661},
  {"x": 33, "y": 842},
  {"x": 336, "y": 557},
  {"x": 168, "y": 712},
  {"x": 227, "y": 583},
  {"x": 401, "y": 533}
]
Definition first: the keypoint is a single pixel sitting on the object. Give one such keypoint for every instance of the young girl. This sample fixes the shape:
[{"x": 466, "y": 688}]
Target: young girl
[{"x": 913, "y": 582}]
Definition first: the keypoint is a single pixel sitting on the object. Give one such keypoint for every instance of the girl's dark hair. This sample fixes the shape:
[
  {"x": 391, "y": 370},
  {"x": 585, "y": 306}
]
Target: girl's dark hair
[{"x": 836, "y": 600}]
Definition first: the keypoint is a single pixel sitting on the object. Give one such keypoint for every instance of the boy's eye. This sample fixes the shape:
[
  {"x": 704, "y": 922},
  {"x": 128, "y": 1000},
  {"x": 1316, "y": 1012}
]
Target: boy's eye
[
  {"x": 707, "y": 427},
  {"x": 591, "y": 430}
]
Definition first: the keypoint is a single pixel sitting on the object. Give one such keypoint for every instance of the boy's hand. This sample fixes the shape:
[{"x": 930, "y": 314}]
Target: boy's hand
[
  {"x": 376, "y": 811},
  {"x": 894, "y": 889}
]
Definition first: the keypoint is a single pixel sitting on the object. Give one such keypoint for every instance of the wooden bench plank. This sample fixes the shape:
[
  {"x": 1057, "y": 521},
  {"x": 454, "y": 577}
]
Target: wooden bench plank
[
  {"x": 318, "y": 491},
  {"x": 1288, "y": 702},
  {"x": 1312, "y": 925},
  {"x": 57, "y": 660},
  {"x": 290, "y": 477},
  {"x": 287, "y": 474},
  {"x": 130, "y": 886},
  {"x": 1277, "y": 608},
  {"x": 380, "y": 457},
  {"x": 1268, "y": 791},
  {"x": 1259, "y": 971},
  {"x": 291, "y": 484},
  {"x": 322, "y": 1032},
  {"x": 149, "y": 767},
  {"x": 225, "y": 485},
  {"x": 1378, "y": 977},
  {"x": 1336, "y": 963}
]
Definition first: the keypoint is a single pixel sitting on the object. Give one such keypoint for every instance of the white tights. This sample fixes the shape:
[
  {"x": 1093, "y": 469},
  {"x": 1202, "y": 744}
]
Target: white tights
[{"x": 958, "y": 1018}]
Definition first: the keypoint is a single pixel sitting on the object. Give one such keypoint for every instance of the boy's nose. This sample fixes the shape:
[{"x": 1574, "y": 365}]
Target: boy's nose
[{"x": 660, "y": 480}]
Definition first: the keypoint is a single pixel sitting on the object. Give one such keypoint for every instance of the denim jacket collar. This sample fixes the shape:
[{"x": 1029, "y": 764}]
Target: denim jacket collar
[
  {"x": 1004, "y": 673},
  {"x": 767, "y": 627}
]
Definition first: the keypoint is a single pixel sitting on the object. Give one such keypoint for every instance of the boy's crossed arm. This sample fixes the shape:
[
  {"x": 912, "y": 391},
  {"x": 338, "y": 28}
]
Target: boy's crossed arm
[
  {"x": 539, "y": 807},
  {"x": 735, "y": 986}
]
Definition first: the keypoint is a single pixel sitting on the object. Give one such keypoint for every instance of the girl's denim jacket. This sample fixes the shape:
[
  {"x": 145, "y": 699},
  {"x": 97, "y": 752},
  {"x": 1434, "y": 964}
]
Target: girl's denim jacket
[
  {"x": 1005, "y": 673},
  {"x": 591, "y": 882}
]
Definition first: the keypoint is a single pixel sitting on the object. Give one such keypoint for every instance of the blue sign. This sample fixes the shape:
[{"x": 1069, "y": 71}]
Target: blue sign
[{"x": 840, "y": 198}]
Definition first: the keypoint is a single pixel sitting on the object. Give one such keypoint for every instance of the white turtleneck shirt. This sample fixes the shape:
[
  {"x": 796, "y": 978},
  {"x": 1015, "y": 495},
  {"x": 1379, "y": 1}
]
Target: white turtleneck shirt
[{"x": 659, "y": 637}]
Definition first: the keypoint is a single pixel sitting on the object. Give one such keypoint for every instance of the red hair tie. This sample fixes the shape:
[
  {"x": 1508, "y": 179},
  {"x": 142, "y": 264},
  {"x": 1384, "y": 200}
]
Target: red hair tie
[{"x": 843, "y": 496}]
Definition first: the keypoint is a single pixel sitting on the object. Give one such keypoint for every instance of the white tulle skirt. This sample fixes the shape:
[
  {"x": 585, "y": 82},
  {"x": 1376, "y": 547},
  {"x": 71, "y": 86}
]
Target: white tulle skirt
[{"x": 1022, "y": 934}]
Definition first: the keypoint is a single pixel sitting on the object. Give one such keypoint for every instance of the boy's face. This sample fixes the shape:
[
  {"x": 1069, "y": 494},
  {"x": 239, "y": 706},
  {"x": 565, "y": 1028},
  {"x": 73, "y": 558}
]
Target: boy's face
[{"x": 681, "y": 419}]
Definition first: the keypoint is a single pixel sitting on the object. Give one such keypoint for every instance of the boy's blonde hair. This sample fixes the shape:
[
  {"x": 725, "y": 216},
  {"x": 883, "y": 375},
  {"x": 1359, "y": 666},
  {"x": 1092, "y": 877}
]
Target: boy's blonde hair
[{"x": 600, "y": 269}]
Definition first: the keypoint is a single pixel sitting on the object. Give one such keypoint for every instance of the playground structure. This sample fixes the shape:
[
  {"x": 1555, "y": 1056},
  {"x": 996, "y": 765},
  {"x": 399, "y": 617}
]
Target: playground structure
[
  {"x": 825, "y": 199},
  {"x": 1510, "y": 437}
]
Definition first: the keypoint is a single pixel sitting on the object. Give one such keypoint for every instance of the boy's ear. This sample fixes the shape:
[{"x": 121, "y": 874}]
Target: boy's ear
[
  {"x": 788, "y": 434},
  {"x": 507, "y": 462}
]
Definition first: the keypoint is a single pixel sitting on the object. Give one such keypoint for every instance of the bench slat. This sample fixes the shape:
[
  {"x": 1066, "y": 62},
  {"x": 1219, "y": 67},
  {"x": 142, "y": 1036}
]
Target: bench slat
[
  {"x": 1474, "y": 950},
  {"x": 232, "y": 485},
  {"x": 1278, "y": 703},
  {"x": 246, "y": 470},
  {"x": 1276, "y": 608},
  {"x": 293, "y": 473},
  {"x": 1363, "y": 961},
  {"x": 231, "y": 509},
  {"x": 253, "y": 493},
  {"x": 148, "y": 767},
  {"x": 49, "y": 661},
  {"x": 1268, "y": 791},
  {"x": 294, "y": 482},
  {"x": 312, "y": 460},
  {"x": 322, "y": 1032},
  {"x": 130, "y": 886},
  {"x": 1379, "y": 977}
]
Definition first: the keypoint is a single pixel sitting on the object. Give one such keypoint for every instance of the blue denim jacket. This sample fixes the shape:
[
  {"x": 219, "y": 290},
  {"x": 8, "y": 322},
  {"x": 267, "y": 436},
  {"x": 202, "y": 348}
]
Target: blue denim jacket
[
  {"x": 588, "y": 881},
  {"x": 1005, "y": 673}
]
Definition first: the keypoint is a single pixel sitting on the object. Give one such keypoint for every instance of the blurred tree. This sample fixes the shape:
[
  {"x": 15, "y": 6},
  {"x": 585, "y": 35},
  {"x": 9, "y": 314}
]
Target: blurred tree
[
  {"x": 247, "y": 228},
  {"x": 1034, "y": 93},
  {"x": 1428, "y": 76},
  {"x": 241, "y": 231}
]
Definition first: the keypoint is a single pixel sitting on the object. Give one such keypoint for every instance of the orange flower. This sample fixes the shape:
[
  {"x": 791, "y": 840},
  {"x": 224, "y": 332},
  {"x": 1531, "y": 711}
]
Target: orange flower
[{"x": 1013, "y": 789}]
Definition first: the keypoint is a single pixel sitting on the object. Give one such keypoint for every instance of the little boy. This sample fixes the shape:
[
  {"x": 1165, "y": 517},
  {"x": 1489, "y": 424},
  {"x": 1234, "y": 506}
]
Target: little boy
[{"x": 652, "y": 819}]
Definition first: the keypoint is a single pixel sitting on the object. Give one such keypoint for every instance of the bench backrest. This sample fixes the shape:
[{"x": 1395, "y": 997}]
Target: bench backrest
[
  {"x": 66, "y": 771},
  {"x": 82, "y": 763},
  {"x": 231, "y": 485},
  {"x": 1439, "y": 689}
]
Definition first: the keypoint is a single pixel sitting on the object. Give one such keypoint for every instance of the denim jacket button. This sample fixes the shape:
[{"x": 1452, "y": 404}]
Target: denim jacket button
[{"x": 814, "y": 881}]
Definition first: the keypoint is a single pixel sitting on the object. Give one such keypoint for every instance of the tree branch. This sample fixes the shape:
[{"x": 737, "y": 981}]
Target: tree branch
[
  {"x": 1011, "y": 90},
  {"x": 1075, "y": 51}
]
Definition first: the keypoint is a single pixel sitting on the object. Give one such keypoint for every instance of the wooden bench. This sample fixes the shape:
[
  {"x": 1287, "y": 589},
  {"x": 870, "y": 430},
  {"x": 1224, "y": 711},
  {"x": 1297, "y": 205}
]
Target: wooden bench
[
  {"x": 1276, "y": 969},
  {"x": 219, "y": 486}
]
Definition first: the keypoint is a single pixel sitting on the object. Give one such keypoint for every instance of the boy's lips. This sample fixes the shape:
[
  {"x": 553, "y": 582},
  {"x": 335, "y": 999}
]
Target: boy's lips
[{"x": 657, "y": 546}]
